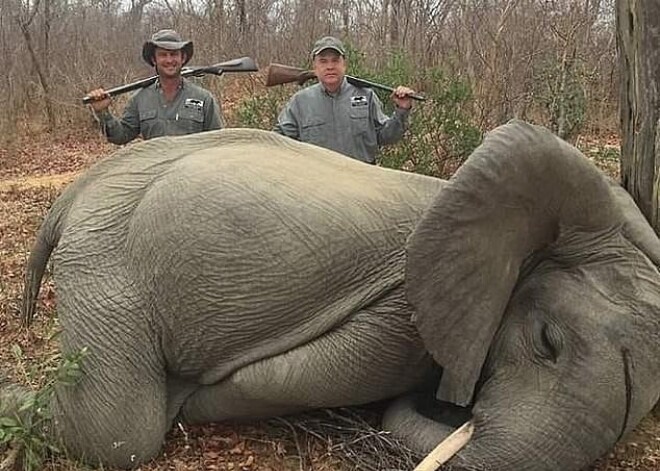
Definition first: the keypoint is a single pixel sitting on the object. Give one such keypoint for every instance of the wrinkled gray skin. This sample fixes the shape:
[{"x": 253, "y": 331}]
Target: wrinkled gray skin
[
  {"x": 238, "y": 274},
  {"x": 536, "y": 261}
]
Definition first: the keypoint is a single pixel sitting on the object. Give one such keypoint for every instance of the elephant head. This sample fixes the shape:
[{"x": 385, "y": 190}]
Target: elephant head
[{"x": 536, "y": 287}]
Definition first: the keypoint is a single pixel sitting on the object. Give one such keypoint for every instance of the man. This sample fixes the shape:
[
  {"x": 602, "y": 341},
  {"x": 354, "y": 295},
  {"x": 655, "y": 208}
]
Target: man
[
  {"x": 171, "y": 106},
  {"x": 337, "y": 115}
]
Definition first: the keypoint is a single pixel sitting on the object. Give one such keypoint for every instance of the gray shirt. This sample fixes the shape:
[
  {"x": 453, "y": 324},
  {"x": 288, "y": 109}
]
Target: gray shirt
[
  {"x": 148, "y": 113},
  {"x": 350, "y": 121}
]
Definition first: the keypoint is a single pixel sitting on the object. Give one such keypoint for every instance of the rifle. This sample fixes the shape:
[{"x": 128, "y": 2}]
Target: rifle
[
  {"x": 279, "y": 74},
  {"x": 244, "y": 64}
]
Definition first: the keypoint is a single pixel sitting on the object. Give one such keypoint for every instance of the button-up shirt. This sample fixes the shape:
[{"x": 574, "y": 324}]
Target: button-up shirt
[
  {"x": 147, "y": 112},
  {"x": 350, "y": 121}
]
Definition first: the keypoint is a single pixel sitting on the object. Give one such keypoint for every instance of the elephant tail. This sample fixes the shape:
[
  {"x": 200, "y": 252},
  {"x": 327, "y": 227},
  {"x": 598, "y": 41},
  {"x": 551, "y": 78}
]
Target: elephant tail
[{"x": 47, "y": 239}]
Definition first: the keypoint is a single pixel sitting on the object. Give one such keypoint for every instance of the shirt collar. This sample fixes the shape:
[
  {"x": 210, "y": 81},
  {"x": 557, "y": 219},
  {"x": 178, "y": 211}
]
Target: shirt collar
[
  {"x": 342, "y": 88},
  {"x": 181, "y": 83}
]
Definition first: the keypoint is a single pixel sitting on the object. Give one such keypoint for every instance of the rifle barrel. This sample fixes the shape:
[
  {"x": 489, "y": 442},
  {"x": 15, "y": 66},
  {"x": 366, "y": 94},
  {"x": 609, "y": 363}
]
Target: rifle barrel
[
  {"x": 358, "y": 82},
  {"x": 244, "y": 64},
  {"x": 125, "y": 88}
]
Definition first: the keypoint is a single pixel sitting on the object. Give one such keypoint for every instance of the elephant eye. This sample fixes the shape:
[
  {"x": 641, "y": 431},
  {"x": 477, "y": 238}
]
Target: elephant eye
[{"x": 548, "y": 341}]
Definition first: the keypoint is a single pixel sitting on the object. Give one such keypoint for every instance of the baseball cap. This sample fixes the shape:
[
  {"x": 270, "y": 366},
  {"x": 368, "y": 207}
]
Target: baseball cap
[{"x": 328, "y": 42}]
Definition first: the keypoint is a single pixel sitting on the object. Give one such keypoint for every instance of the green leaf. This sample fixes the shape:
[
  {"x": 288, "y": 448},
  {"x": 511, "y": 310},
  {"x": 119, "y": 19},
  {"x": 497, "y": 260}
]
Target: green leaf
[
  {"x": 28, "y": 404},
  {"x": 8, "y": 422},
  {"x": 17, "y": 351}
]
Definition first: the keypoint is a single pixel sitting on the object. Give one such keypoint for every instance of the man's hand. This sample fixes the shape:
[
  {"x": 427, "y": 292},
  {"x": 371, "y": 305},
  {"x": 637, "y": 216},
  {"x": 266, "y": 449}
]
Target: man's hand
[
  {"x": 401, "y": 97},
  {"x": 100, "y": 100}
]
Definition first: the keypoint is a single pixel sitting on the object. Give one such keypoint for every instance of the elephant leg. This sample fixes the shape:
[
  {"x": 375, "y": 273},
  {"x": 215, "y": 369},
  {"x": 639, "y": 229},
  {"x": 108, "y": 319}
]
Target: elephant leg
[
  {"x": 116, "y": 413},
  {"x": 229, "y": 401},
  {"x": 375, "y": 355}
]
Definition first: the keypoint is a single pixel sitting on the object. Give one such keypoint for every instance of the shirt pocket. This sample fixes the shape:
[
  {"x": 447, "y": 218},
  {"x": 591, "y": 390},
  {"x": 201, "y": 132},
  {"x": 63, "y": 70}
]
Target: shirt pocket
[
  {"x": 191, "y": 119},
  {"x": 312, "y": 130},
  {"x": 192, "y": 114},
  {"x": 359, "y": 119},
  {"x": 147, "y": 115},
  {"x": 149, "y": 125}
]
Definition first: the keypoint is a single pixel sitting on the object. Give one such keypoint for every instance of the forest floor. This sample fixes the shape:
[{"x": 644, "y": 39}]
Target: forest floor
[{"x": 32, "y": 173}]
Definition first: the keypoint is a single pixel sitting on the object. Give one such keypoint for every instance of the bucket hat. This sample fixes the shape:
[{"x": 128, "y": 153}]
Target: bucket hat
[{"x": 166, "y": 39}]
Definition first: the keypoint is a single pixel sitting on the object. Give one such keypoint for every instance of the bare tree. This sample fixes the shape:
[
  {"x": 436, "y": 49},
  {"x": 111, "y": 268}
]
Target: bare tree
[
  {"x": 638, "y": 28},
  {"x": 136, "y": 11},
  {"x": 501, "y": 49},
  {"x": 25, "y": 18},
  {"x": 395, "y": 18}
]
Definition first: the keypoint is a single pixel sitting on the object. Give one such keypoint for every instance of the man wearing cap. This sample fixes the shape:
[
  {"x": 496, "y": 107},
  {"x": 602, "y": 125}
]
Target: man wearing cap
[
  {"x": 170, "y": 107},
  {"x": 339, "y": 116}
]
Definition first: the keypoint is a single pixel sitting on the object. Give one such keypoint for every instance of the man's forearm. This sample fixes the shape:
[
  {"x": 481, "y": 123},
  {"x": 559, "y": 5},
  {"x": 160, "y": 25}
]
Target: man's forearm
[{"x": 116, "y": 131}]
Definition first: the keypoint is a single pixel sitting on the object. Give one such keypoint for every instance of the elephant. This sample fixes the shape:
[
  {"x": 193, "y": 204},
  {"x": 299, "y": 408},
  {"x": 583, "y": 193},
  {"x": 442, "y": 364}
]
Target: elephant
[{"x": 239, "y": 274}]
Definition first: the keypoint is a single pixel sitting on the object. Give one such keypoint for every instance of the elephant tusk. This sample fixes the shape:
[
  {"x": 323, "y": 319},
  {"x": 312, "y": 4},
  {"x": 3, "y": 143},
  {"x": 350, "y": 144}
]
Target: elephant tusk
[{"x": 447, "y": 448}]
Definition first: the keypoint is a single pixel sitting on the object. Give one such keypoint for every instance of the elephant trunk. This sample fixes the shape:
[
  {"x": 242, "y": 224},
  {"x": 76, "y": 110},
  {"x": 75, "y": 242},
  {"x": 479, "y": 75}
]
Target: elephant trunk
[
  {"x": 415, "y": 429},
  {"x": 523, "y": 438},
  {"x": 501, "y": 437},
  {"x": 448, "y": 448}
]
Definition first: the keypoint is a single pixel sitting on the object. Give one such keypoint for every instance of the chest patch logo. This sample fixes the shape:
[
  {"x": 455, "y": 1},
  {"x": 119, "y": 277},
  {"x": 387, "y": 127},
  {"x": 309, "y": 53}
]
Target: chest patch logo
[
  {"x": 359, "y": 101},
  {"x": 194, "y": 104}
]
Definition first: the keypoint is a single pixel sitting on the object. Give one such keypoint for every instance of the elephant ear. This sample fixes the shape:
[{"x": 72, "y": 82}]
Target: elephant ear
[{"x": 517, "y": 193}]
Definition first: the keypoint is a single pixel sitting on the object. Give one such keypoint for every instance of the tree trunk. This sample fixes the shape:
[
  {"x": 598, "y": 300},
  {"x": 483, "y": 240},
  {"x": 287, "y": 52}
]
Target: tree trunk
[
  {"x": 242, "y": 18},
  {"x": 24, "y": 23},
  {"x": 346, "y": 16},
  {"x": 638, "y": 38},
  {"x": 135, "y": 14},
  {"x": 394, "y": 23}
]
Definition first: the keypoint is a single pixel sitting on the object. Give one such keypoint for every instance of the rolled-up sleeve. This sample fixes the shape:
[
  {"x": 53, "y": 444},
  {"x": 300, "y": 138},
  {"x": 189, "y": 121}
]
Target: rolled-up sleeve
[{"x": 121, "y": 131}]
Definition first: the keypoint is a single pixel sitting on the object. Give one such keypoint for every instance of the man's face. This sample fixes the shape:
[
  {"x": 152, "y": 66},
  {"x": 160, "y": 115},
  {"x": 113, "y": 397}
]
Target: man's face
[
  {"x": 168, "y": 63},
  {"x": 330, "y": 68}
]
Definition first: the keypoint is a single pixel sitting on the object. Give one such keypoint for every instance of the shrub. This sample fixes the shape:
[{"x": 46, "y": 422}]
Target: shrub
[
  {"x": 560, "y": 92},
  {"x": 440, "y": 135},
  {"x": 28, "y": 430},
  {"x": 261, "y": 111}
]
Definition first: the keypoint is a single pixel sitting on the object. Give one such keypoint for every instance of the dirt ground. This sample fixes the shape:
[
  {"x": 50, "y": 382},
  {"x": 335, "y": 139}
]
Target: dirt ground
[{"x": 32, "y": 174}]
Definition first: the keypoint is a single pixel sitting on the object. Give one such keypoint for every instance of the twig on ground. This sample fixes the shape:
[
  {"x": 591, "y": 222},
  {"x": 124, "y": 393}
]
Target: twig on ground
[
  {"x": 10, "y": 462},
  {"x": 301, "y": 455},
  {"x": 349, "y": 437}
]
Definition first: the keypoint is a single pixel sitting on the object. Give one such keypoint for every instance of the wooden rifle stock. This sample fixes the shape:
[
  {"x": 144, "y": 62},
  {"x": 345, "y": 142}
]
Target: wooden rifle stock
[
  {"x": 244, "y": 64},
  {"x": 279, "y": 74}
]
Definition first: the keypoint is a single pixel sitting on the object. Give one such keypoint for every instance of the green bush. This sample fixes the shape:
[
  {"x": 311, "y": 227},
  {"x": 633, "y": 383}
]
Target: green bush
[
  {"x": 560, "y": 92},
  {"x": 440, "y": 134},
  {"x": 261, "y": 111},
  {"x": 29, "y": 429}
]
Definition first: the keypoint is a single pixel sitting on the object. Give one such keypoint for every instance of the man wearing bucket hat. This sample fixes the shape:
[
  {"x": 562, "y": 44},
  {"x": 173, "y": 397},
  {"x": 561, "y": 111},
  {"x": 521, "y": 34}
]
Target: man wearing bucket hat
[
  {"x": 339, "y": 116},
  {"x": 171, "y": 106}
]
